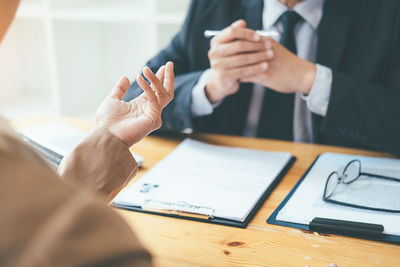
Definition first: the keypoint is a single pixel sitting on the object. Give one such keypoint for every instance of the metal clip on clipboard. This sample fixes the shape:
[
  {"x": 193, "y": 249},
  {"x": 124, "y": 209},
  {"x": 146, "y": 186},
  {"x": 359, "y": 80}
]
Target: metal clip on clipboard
[{"x": 179, "y": 208}]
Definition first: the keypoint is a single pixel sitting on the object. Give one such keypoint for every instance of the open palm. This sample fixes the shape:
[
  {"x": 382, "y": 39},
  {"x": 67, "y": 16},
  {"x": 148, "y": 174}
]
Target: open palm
[{"x": 132, "y": 121}]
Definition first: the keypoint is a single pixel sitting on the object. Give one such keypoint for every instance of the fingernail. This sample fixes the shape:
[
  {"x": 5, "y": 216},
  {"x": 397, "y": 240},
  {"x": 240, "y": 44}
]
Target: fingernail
[
  {"x": 256, "y": 37},
  {"x": 332, "y": 265},
  {"x": 268, "y": 45},
  {"x": 264, "y": 66},
  {"x": 269, "y": 53}
]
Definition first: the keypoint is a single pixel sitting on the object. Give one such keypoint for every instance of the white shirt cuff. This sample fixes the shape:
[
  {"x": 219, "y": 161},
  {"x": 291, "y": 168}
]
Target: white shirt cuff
[
  {"x": 201, "y": 106},
  {"x": 318, "y": 98}
]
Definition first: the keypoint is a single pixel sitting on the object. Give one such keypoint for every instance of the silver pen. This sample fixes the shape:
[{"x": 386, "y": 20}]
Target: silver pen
[{"x": 211, "y": 33}]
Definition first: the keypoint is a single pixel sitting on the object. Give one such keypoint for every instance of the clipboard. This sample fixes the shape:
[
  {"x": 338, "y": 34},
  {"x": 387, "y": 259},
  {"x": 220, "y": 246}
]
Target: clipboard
[
  {"x": 194, "y": 215},
  {"x": 273, "y": 219}
]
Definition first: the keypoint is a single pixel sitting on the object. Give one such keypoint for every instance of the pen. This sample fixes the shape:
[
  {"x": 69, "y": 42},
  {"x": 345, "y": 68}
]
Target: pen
[
  {"x": 348, "y": 228},
  {"x": 210, "y": 33}
]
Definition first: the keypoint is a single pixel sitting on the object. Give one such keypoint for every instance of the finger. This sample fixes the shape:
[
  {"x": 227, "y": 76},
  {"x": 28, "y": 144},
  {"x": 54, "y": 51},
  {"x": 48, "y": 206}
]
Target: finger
[
  {"x": 242, "y": 60},
  {"x": 120, "y": 88},
  {"x": 268, "y": 42},
  {"x": 169, "y": 81},
  {"x": 244, "y": 72},
  {"x": 239, "y": 23},
  {"x": 250, "y": 79},
  {"x": 236, "y": 47},
  {"x": 155, "y": 82},
  {"x": 160, "y": 74},
  {"x": 149, "y": 93},
  {"x": 235, "y": 33}
]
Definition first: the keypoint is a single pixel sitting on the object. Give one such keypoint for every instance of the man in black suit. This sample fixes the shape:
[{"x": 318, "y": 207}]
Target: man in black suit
[{"x": 334, "y": 78}]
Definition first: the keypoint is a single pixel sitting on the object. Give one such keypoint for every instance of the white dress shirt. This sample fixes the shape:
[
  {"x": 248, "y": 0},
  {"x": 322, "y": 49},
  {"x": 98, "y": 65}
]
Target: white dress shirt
[{"x": 306, "y": 39}]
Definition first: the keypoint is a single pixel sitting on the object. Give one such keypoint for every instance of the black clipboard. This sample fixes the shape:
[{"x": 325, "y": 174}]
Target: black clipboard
[
  {"x": 272, "y": 219},
  {"x": 222, "y": 221}
]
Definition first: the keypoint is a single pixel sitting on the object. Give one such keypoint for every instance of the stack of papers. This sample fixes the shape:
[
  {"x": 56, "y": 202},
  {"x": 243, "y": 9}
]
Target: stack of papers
[{"x": 54, "y": 140}]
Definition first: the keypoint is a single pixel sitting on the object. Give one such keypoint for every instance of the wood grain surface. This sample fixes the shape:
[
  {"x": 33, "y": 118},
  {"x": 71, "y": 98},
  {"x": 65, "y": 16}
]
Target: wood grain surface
[{"x": 177, "y": 242}]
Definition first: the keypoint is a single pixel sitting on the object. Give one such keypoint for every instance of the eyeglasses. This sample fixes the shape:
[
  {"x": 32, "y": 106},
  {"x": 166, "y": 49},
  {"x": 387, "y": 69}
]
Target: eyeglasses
[{"x": 350, "y": 174}]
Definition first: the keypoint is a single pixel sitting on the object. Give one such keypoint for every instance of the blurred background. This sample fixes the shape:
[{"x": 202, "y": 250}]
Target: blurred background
[{"x": 61, "y": 57}]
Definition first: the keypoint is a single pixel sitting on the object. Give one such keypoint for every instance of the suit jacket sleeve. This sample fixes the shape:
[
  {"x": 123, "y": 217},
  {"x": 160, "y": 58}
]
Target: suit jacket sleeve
[
  {"x": 366, "y": 112},
  {"x": 177, "y": 115}
]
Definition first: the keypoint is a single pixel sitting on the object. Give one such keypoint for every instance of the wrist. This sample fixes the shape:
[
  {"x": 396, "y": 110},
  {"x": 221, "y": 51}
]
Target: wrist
[
  {"x": 127, "y": 139},
  {"x": 211, "y": 93},
  {"x": 215, "y": 92},
  {"x": 308, "y": 78}
]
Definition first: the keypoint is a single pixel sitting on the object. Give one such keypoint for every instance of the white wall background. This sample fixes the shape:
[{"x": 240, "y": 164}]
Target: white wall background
[{"x": 61, "y": 57}]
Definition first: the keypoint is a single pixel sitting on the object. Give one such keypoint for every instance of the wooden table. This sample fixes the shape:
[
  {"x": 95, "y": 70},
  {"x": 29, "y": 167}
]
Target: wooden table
[{"x": 177, "y": 242}]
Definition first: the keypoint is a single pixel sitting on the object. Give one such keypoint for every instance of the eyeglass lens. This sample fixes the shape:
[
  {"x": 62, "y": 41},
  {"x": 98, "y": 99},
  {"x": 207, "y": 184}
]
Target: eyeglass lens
[
  {"x": 331, "y": 185},
  {"x": 352, "y": 171}
]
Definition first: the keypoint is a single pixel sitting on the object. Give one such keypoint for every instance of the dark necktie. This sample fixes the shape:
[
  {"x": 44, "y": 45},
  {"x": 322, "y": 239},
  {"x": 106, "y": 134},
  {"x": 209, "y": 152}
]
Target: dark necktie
[{"x": 276, "y": 120}]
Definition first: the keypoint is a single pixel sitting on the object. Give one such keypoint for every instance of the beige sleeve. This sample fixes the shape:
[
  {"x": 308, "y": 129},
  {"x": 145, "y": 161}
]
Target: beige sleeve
[
  {"x": 83, "y": 232},
  {"x": 44, "y": 222},
  {"x": 102, "y": 163}
]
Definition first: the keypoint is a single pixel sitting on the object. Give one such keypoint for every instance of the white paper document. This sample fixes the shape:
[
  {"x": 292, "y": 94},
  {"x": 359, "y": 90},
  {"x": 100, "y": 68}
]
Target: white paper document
[
  {"x": 228, "y": 180},
  {"x": 307, "y": 201},
  {"x": 56, "y": 136},
  {"x": 59, "y": 137}
]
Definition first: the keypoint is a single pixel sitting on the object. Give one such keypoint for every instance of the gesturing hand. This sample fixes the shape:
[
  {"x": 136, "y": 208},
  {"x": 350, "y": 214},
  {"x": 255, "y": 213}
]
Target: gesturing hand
[{"x": 132, "y": 121}]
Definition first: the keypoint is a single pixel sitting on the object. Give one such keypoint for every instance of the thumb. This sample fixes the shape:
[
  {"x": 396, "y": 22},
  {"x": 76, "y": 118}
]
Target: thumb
[{"x": 120, "y": 88}]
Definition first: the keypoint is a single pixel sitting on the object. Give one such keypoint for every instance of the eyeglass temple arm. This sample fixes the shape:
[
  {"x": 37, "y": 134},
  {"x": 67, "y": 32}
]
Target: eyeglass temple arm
[{"x": 380, "y": 176}]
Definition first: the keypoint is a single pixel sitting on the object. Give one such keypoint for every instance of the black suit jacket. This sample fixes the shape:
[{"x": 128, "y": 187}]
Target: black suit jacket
[{"x": 358, "y": 39}]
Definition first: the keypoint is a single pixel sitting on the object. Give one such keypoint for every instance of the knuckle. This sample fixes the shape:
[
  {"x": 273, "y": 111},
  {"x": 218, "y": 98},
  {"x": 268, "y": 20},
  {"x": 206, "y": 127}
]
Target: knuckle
[
  {"x": 215, "y": 64},
  {"x": 262, "y": 55},
  {"x": 260, "y": 68},
  {"x": 213, "y": 41},
  {"x": 231, "y": 31},
  {"x": 211, "y": 53}
]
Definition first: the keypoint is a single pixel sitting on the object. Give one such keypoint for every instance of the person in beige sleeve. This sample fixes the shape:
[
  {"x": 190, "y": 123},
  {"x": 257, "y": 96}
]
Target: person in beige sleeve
[{"x": 50, "y": 219}]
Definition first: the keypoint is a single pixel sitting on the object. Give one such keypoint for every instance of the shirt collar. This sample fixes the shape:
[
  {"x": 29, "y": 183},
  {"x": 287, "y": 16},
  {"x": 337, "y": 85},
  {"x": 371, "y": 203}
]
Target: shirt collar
[{"x": 309, "y": 10}]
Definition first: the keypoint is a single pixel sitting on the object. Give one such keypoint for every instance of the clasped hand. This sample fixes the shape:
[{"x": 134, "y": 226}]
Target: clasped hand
[{"x": 241, "y": 55}]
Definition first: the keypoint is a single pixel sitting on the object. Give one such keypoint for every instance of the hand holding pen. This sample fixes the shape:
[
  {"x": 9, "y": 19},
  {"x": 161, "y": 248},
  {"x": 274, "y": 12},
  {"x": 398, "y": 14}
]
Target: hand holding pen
[
  {"x": 235, "y": 54},
  {"x": 241, "y": 55}
]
